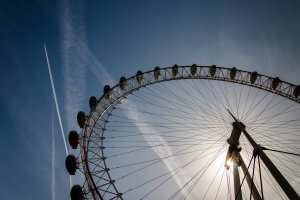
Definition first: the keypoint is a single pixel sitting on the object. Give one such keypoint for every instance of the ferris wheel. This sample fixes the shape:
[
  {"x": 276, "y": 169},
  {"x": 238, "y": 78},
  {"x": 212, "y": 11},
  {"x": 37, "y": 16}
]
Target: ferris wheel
[{"x": 190, "y": 132}]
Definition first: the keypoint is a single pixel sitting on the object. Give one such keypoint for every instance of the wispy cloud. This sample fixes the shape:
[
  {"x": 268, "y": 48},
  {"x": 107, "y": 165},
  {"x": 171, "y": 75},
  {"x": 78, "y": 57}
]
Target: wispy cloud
[
  {"x": 76, "y": 57},
  {"x": 136, "y": 116},
  {"x": 161, "y": 152}
]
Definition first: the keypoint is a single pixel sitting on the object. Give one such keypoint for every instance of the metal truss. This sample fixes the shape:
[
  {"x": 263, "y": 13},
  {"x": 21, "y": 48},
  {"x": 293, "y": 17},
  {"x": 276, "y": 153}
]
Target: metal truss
[{"x": 91, "y": 160}]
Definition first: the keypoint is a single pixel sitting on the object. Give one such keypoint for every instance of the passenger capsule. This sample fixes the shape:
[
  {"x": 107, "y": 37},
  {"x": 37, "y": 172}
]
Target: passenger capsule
[
  {"x": 107, "y": 91},
  {"x": 297, "y": 91},
  {"x": 193, "y": 69},
  {"x": 275, "y": 83},
  {"x": 81, "y": 119},
  {"x": 73, "y": 139},
  {"x": 92, "y": 102},
  {"x": 76, "y": 193},
  {"x": 71, "y": 164},
  {"x": 253, "y": 77},
  {"x": 156, "y": 72},
  {"x": 232, "y": 73},
  {"x": 139, "y": 76},
  {"x": 212, "y": 70},
  {"x": 175, "y": 70},
  {"x": 123, "y": 82}
]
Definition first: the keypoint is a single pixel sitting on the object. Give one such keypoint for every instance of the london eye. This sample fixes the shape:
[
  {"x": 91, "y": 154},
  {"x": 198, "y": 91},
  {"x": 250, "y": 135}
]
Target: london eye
[{"x": 190, "y": 132}]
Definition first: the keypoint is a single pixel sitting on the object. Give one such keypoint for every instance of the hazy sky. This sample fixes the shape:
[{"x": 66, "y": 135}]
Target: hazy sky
[{"x": 88, "y": 37}]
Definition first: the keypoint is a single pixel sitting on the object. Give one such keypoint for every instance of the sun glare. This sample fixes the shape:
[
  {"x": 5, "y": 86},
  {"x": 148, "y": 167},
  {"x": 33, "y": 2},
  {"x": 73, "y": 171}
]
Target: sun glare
[{"x": 228, "y": 163}]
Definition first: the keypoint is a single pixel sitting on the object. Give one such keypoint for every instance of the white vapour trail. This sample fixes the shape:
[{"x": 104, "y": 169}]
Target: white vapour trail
[
  {"x": 75, "y": 41},
  {"x": 74, "y": 61},
  {"x": 60, "y": 124},
  {"x": 55, "y": 100},
  {"x": 171, "y": 163}
]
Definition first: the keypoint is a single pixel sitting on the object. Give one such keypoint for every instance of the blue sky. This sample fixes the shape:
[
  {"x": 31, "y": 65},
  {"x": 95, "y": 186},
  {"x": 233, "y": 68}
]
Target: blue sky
[{"x": 95, "y": 42}]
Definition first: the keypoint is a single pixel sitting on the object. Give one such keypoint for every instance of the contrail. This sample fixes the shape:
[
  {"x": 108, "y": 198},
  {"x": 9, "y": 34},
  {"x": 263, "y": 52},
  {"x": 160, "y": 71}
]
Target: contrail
[
  {"x": 76, "y": 34},
  {"x": 60, "y": 123},
  {"x": 74, "y": 59},
  {"x": 75, "y": 47},
  {"x": 103, "y": 76},
  {"x": 55, "y": 100}
]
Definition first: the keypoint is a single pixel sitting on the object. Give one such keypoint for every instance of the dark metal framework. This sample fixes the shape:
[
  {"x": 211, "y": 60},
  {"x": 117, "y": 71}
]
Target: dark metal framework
[{"x": 91, "y": 160}]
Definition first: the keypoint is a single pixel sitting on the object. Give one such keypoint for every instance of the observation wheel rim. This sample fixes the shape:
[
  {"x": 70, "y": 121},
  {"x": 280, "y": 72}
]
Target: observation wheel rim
[{"x": 109, "y": 100}]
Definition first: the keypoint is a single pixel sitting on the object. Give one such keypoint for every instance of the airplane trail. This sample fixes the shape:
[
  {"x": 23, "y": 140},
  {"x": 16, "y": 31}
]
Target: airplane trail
[
  {"x": 74, "y": 37},
  {"x": 55, "y": 100},
  {"x": 60, "y": 124}
]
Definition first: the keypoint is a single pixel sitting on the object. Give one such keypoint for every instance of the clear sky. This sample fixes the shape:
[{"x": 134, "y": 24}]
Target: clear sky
[{"x": 87, "y": 38}]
